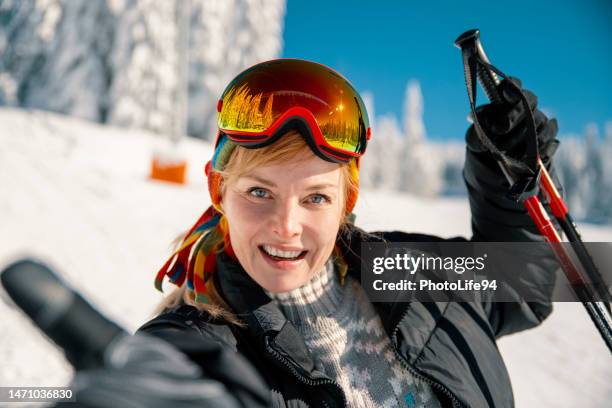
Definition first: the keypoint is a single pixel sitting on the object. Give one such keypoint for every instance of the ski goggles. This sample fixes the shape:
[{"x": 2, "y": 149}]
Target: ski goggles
[{"x": 268, "y": 99}]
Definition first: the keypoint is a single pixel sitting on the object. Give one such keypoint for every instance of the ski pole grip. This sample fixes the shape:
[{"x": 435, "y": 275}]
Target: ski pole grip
[{"x": 469, "y": 42}]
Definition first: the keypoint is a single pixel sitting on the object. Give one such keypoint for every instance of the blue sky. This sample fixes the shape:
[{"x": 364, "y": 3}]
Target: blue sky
[{"x": 560, "y": 49}]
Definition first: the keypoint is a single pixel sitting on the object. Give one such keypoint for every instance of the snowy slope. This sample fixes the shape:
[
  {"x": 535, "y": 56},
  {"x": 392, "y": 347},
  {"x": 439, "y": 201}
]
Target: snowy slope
[{"x": 77, "y": 194}]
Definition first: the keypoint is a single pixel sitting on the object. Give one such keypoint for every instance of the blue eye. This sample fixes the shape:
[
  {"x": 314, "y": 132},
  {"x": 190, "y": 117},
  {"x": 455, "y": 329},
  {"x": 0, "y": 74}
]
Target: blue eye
[
  {"x": 258, "y": 192},
  {"x": 320, "y": 199}
]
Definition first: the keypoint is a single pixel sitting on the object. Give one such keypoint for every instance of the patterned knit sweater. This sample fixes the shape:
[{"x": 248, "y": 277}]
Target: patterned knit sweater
[{"x": 347, "y": 341}]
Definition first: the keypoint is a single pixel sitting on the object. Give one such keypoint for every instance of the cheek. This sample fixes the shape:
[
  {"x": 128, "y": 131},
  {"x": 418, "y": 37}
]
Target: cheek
[
  {"x": 242, "y": 210},
  {"x": 244, "y": 220},
  {"x": 324, "y": 228}
]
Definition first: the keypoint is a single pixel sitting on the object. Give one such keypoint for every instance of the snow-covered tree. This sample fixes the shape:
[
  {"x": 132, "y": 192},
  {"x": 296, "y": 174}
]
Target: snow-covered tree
[
  {"x": 570, "y": 162},
  {"x": 76, "y": 75},
  {"x": 117, "y": 61},
  {"x": 414, "y": 127},
  {"x": 586, "y": 174},
  {"x": 421, "y": 168},
  {"x": 593, "y": 172},
  {"x": 56, "y": 55},
  {"x": 144, "y": 60},
  {"x": 226, "y": 37},
  {"x": 605, "y": 151},
  {"x": 26, "y": 30},
  {"x": 388, "y": 146}
]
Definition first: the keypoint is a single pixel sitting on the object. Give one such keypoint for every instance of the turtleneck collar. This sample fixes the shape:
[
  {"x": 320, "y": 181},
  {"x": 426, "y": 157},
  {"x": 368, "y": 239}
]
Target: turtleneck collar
[{"x": 320, "y": 296}]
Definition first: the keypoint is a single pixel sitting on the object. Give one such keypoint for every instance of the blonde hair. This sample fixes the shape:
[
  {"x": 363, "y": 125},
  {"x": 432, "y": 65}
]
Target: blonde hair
[{"x": 242, "y": 160}]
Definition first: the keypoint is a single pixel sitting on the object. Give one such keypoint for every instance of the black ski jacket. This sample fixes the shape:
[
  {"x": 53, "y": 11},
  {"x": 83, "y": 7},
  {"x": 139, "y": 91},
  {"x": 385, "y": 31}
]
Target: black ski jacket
[{"x": 452, "y": 346}]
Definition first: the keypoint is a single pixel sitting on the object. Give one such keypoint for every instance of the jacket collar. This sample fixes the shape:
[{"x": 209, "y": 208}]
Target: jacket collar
[
  {"x": 246, "y": 298},
  {"x": 265, "y": 321}
]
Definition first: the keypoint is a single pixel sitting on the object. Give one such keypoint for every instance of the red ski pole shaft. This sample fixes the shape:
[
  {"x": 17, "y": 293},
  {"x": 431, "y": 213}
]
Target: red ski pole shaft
[
  {"x": 561, "y": 213},
  {"x": 540, "y": 217},
  {"x": 557, "y": 205}
]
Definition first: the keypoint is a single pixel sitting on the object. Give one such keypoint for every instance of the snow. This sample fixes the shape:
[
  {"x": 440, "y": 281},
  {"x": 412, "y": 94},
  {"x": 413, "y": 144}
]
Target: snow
[
  {"x": 117, "y": 61},
  {"x": 77, "y": 195}
]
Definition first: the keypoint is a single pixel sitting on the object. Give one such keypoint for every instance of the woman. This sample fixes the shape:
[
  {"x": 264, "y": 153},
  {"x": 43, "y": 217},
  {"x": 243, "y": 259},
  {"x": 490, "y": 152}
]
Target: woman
[{"x": 272, "y": 269}]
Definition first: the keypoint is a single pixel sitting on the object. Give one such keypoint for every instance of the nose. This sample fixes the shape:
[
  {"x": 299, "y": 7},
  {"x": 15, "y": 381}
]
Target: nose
[{"x": 288, "y": 220}]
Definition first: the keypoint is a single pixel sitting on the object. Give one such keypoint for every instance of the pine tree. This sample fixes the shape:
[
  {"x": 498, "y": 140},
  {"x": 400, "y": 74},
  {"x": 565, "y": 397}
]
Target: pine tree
[
  {"x": 57, "y": 55},
  {"x": 24, "y": 48},
  {"x": 226, "y": 37},
  {"x": 421, "y": 168},
  {"x": 76, "y": 77},
  {"x": 389, "y": 141},
  {"x": 144, "y": 59},
  {"x": 605, "y": 152},
  {"x": 120, "y": 65}
]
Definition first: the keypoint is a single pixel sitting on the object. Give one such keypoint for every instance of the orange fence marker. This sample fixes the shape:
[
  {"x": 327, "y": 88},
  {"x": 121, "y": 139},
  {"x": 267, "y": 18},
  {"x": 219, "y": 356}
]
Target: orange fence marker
[{"x": 169, "y": 169}]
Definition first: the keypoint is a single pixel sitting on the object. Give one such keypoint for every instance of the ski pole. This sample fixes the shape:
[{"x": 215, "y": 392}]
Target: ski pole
[
  {"x": 490, "y": 82},
  {"x": 474, "y": 56}
]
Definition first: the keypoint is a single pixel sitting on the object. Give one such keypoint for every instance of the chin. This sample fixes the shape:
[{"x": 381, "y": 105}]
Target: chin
[
  {"x": 285, "y": 285},
  {"x": 281, "y": 287}
]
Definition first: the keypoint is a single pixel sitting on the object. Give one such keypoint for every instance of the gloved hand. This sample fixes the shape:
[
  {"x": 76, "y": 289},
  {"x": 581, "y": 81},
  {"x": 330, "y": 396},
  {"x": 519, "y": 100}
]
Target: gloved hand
[
  {"x": 506, "y": 125},
  {"x": 145, "y": 371}
]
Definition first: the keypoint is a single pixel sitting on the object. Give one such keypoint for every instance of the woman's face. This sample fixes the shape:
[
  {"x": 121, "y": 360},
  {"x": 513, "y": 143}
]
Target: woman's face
[{"x": 283, "y": 220}]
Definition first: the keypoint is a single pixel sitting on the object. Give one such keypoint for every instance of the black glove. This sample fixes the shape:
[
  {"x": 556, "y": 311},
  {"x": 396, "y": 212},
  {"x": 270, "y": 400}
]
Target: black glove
[
  {"x": 506, "y": 125},
  {"x": 145, "y": 371}
]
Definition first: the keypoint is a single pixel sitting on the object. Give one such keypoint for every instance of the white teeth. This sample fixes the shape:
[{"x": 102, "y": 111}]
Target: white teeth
[{"x": 281, "y": 254}]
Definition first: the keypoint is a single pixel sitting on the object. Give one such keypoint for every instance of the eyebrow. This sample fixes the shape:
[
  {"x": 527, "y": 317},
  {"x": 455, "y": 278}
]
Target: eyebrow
[{"x": 310, "y": 188}]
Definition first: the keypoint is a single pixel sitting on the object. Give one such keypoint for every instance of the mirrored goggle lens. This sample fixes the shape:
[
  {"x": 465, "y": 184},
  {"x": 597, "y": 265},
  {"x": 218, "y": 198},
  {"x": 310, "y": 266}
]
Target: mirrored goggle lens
[{"x": 259, "y": 96}]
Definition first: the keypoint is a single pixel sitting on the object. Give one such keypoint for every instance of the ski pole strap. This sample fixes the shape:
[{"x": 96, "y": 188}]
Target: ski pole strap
[{"x": 523, "y": 176}]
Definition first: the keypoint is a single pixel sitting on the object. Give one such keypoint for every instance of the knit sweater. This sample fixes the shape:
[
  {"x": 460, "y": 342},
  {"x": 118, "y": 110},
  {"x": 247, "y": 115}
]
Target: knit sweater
[{"x": 348, "y": 342}]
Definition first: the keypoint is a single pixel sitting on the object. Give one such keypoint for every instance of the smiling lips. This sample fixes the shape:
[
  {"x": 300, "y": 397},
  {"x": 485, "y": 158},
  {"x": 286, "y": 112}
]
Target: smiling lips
[{"x": 280, "y": 255}]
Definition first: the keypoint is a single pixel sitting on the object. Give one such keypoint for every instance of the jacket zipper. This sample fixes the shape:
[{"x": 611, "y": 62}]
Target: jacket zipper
[
  {"x": 279, "y": 357},
  {"x": 416, "y": 373}
]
